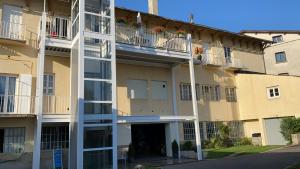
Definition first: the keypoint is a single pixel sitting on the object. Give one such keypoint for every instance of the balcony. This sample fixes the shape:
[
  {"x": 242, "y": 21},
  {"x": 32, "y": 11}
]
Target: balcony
[
  {"x": 233, "y": 63},
  {"x": 12, "y": 33},
  {"x": 56, "y": 105},
  {"x": 211, "y": 59},
  {"x": 58, "y": 33},
  {"x": 13, "y": 105},
  {"x": 143, "y": 40}
]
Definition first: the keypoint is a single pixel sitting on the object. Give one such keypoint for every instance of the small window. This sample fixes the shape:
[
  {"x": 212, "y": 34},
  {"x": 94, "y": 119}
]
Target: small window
[
  {"x": 230, "y": 94},
  {"x": 48, "y": 84},
  {"x": 273, "y": 92},
  {"x": 186, "y": 91},
  {"x": 277, "y": 39},
  {"x": 227, "y": 52},
  {"x": 280, "y": 57},
  {"x": 137, "y": 89}
]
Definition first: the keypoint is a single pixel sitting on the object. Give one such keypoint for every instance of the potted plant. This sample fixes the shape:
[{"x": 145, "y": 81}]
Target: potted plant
[
  {"x": 159, "y": 29},
  {"x": 181, "y": 33},
  {"x": 175, "y": 149},
  {"x": 198, "y": 52}
]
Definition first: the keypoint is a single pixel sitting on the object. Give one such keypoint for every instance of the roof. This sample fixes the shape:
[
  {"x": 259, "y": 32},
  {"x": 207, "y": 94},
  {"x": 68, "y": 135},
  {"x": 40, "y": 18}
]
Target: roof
[
  {"x": 199, "y": 26},
  {"x": 270, "y": 31}
]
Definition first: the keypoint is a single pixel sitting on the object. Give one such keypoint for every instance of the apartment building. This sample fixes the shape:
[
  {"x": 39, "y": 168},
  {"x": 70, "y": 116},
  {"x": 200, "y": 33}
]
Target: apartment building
[
  {"x": 281, "y": 57},
  {"x": 90, "y": 79}
]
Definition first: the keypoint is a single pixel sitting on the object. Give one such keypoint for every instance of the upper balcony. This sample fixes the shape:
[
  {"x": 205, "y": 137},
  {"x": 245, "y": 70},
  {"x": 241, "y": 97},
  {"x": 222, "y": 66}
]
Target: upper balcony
[
  {"x": 14, "y": 105},
  {"x": 149, "y": 43},
  {"x": 218, "y": 60},
  {"x": 12, "y": 33},
  {"x": 58, "y": 33}
]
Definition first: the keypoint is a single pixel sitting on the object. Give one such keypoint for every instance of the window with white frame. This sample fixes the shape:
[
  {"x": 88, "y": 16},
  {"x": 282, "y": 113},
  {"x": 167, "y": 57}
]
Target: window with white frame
[
  {"x": 230, "y": 94},
  {"x": 186, "y": 91},
  {"x": 188, "y": 131},
  {"x": 273, "y": 92},
  {"x": 277, "y": 39},
  {"x": 280, "y": 57},
  {"x": 48, "y": 84}
]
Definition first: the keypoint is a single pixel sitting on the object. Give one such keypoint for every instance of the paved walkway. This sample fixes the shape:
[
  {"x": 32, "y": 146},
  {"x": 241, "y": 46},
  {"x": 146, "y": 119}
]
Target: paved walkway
[{"x": 277, "y": 159}]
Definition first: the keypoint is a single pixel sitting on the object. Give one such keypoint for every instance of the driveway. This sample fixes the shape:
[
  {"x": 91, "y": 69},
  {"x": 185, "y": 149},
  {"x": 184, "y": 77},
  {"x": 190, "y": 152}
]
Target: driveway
[{"x": 277, "y": 159}]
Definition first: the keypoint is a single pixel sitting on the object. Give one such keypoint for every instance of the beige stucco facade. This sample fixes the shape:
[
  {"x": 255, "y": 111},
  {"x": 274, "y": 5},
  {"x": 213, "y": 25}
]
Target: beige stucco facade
[
  {"x": 290, "y": 45},
  {"x": 252, "y": 105}
]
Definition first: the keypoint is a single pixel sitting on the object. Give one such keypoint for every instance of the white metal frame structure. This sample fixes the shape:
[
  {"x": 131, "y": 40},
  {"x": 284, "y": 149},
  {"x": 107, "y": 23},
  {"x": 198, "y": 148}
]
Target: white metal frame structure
[{"x": 93, "y": 129}]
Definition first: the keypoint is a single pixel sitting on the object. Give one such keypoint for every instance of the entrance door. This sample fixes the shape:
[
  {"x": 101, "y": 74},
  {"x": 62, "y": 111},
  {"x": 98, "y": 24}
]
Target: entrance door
[
  {"x": 148, "y": 139},
  {"x": 7, "y": 94},
  {"x": 12, "y": 22}
]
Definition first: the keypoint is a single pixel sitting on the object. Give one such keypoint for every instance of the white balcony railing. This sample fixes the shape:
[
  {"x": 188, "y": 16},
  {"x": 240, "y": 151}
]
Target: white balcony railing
[
  {"x": 147, "y": 38},
  {"x": 56, "y": 105},
  {"x": 13, "y": 31},
  {"x": 212, "y": 59},
  {"x": 12, "y": 104},
  {"x": 58, "y": 27}
]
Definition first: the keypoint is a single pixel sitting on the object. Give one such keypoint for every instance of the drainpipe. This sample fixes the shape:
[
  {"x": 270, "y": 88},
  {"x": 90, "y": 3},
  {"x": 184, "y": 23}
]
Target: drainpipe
[
  {"x": 39, "y": 94},
  {"x": 194, "y": 99}
]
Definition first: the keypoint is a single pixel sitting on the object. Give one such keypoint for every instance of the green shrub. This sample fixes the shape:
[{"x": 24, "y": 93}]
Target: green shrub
[
  {"x": 289, "y": 126},
  {"x": 242, "y": 141},
  {"x": 187, "y": 146}
]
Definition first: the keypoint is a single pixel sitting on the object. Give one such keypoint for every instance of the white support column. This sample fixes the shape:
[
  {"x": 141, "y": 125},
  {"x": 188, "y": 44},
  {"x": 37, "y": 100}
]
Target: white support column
[
  {"x": 175, "y": 112},
  {"x": 194, "y": 99},
  {"x": 39, "y": 94}
]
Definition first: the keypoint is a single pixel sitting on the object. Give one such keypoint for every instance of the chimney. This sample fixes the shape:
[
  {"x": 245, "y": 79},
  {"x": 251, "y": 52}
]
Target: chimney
[{"x": 153, "y": 7}]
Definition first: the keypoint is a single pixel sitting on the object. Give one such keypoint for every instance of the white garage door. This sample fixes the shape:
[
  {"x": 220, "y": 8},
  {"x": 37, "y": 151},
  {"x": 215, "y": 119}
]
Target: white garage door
[{"x": 273, "y": 135}]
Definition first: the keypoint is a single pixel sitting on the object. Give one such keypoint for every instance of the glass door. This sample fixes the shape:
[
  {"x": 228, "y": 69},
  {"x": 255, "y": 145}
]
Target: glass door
[{"x": 7, "y": 94}]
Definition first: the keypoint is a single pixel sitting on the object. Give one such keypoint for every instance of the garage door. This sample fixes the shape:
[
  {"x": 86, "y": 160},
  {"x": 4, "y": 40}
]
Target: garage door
[{"x": 273, "y": 135}]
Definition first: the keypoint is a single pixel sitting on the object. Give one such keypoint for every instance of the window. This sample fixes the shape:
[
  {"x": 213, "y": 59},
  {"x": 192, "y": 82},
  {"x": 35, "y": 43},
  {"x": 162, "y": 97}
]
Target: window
[
  {"x": 227, "y": 52},
  {"x": 230, "y": 94},
  {"x": 277, "y": 39},
  {"x": 48, "y": 84},
  {"x": 212, "y": 129},
  {"x": 280, "y": 57},
  {"x": 55, "y": 137},
  {"x": 273, "y": 92},
  {"x": 12, "y": 140},
  {"x": 210, "y": 92},
  {"x": 186, "y": 91},
  {"x": 7, "y": 94},
  {"x": 137, "y": 89},
  {"x": 189, "y": 131}
]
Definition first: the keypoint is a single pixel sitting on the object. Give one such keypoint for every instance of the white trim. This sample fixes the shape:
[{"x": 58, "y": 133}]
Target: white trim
[
  {"x": 60, "y": 43},
  {"x": 153, "y": 118},
  {"x": 56, "y": 118}
]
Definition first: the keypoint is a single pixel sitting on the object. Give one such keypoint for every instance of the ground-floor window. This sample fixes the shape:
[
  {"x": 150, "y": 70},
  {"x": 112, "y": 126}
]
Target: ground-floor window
[
  {"x": 55, "y": 137},
  {"x": 236, "y": 129},
  {"x": 189, "y": 131},
  {"x": 12, "y": 140}
]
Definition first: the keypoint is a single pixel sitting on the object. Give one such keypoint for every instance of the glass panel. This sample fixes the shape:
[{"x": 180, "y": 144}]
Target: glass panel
[
  {"x": 2, "y": 85},
  {"x": 97, "y": 91},
  {"x": 97, "y": 108},
  {"x": 97, "y": 69},
  {"x": 98, "y": 7},
  {"x": 97, "y": 159},
  {"x": 97, "y": 24},
  {"x": 97, "y": 137},
  {"x": 97, "y": 48}
]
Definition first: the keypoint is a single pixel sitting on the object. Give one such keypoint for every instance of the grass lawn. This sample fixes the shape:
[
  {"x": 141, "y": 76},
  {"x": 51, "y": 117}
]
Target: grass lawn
[
  {"x": 295, "y": 166},
  {"x": 238, "y": 150}
]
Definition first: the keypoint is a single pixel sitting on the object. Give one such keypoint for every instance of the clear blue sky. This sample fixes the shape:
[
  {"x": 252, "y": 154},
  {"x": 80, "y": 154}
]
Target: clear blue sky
[{"x": 232, "y": 15}]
